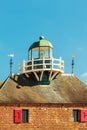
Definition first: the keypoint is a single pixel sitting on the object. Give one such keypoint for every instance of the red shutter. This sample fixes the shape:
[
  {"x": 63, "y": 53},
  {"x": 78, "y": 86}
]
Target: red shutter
[
  {"x": 83, "y": 115},
  {"x": 17, "y": 116}
]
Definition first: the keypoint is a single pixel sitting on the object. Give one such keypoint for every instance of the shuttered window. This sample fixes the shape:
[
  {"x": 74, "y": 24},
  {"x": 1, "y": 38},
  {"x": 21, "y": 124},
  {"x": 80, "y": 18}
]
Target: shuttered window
[
  {"x": 80, "y": 115},
  {"x": 21, "y": 116}
]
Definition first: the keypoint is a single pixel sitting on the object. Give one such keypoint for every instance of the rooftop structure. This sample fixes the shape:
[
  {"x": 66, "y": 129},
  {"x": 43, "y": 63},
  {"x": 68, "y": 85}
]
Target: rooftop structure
[{"x": 41, "y": 62}]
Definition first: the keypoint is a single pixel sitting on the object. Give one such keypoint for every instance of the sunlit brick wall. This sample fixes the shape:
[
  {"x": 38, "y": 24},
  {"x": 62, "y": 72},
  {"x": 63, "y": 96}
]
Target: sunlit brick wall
[{"x": 42, "y": 117}]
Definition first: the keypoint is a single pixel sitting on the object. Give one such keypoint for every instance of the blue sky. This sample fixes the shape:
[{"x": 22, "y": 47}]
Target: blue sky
[{"x": 62, "y": 22}]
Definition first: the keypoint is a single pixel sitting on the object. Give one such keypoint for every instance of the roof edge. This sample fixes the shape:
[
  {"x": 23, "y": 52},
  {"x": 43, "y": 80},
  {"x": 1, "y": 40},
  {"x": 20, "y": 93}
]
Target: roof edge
[
  {"x": 4, "y": 83},
  {"x": 45, "y": 104}
]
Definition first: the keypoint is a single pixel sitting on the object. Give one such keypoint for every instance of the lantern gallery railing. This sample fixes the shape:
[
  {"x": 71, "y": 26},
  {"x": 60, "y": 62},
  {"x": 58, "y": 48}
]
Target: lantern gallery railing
[{"x": 41, "y": 64}]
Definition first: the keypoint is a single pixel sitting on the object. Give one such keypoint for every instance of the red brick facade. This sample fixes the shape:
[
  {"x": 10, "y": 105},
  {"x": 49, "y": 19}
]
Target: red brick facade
[{"x": 42, "y": 117}]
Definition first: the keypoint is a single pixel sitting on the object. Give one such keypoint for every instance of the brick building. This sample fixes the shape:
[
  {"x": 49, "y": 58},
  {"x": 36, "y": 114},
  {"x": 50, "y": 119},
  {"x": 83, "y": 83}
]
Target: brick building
[{"x": 41, "y": 96}]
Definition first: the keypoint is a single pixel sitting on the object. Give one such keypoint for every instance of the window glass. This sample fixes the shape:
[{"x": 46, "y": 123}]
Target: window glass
[
  {"x": 34, "y": 54},
  {"x": 75, "y": 115},
  {"x": 24, "y": 115}
]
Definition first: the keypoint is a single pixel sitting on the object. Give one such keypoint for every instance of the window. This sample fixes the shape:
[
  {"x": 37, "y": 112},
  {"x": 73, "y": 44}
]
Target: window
[
  {"x": 80, "y": 115},
  {"x": 24, "y": 116},
  {"x": 34, "y": 54},
  {"x": 21, "y": 116},
  {"x": 75, "y": 115}
]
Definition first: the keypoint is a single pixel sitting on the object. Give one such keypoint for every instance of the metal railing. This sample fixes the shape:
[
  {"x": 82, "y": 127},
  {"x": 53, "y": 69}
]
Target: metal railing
[{"x": 40, "y": 64}]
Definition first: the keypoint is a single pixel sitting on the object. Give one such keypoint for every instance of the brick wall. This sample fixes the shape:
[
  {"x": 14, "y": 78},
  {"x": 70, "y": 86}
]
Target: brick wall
[{"x": 42, "y": 117}]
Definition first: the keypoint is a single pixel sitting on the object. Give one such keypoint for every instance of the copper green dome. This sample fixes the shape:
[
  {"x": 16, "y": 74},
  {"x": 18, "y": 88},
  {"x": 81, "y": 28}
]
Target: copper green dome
[{"x": 41, "y": 43}]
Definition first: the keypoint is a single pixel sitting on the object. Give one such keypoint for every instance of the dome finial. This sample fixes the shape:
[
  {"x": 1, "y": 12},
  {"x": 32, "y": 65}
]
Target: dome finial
[{"x": 41, "y": 37}]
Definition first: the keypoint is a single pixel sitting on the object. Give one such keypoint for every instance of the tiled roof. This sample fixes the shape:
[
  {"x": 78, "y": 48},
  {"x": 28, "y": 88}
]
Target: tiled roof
[{"x": 63, "y": 89}]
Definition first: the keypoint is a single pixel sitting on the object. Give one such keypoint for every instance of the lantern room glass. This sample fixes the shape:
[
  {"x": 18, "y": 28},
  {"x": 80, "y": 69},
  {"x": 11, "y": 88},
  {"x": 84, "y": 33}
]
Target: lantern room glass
[{"x": 40, "y": 52}]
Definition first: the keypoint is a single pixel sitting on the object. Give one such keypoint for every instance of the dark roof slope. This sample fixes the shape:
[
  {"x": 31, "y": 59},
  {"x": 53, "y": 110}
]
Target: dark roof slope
[
  {"x": 41, "y": 43},
  {"x": 63, "y": 89}
]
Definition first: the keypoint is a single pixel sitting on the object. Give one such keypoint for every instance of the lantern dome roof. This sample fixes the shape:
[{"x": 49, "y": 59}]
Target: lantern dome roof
[{"x": 41, "y": 43}]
